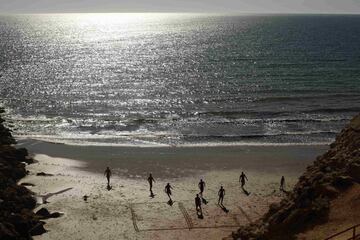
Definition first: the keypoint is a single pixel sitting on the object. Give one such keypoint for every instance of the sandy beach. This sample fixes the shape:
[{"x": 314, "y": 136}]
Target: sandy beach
[{"x": 128, "y": 212}]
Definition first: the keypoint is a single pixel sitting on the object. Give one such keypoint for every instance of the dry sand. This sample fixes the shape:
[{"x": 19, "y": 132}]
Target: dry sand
[{"x": 128, "y": 212}]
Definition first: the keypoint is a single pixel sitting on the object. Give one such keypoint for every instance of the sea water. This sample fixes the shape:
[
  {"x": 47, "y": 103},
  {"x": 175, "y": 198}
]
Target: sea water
[{"x": 179, "y": 79}]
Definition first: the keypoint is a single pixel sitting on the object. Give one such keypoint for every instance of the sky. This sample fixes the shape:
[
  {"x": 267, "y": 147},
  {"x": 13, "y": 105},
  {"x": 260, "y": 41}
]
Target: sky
[{"x": 221, "y": 6}]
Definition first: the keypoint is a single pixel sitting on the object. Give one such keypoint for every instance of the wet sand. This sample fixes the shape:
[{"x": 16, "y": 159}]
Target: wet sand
[
  {"x": 128, "y": 212},
  {"x": 177, "y": 162}
]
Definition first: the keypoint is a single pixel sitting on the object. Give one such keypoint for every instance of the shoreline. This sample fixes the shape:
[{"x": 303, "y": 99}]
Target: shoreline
[
  {"x": 75, "y": 142},
  {"x": 177, "y": 162}
]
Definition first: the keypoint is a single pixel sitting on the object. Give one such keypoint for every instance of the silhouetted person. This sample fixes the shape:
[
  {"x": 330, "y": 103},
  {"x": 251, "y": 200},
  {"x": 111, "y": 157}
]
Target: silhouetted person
[
  {"x": 221, "y": 195},
  {"x": 107, "y": 173},
  {"x": 282, "y": 184},
  {"x": 242, "y": 179},
  {"x": 151, "y": 180},
  {"x": 201, "y": 186},
  {"x": 198, "y": 205},
  {"x": 168, "y": 190}
]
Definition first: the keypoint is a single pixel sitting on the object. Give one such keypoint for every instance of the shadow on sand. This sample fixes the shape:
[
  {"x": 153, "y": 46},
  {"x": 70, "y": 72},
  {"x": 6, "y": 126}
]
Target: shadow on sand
[
  {"x": 245, "y": 191},
  {"x": 224, "y": 208},
  {"x": 47, "y": 196},
  {"x": 170, "y": 202},
  {"x": 200, "y": 214},
  {"x": 204, "y": 201}
]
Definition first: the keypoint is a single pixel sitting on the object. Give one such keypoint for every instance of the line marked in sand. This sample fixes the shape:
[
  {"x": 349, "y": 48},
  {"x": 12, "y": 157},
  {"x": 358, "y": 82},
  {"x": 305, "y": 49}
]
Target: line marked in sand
[
  {"x": 189, "y": 222},
  {"x": 186, "y": 215},
  {"x": 235, "y": 219},
  {"x": 184, "y": 228},
  {"x": 133, "y": 217},
  {"x": 158, "y": 202},
  {"x": 246, "y": 216}
]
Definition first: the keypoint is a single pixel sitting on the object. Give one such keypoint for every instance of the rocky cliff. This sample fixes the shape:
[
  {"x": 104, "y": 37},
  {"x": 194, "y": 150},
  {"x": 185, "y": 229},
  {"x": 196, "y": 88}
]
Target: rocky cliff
[
  {"x": 308, "y": 203},
  {"x": 17, "y": 220}
]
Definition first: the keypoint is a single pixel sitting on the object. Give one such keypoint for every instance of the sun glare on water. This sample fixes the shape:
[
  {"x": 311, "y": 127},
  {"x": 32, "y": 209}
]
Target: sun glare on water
[
  {"x": 100, "y": 26},
  {"x": 124, "y": 19}
]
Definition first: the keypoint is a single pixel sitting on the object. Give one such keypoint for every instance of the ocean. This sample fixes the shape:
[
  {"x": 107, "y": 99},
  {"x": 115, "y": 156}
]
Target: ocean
[{"x": 179, "y": 79}]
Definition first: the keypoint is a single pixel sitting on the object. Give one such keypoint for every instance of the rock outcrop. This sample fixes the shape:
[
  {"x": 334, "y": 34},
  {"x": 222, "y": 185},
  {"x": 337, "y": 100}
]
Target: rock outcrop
[
  {"x": 308, "y": 203},
  {"x": 17, "y": 219}
]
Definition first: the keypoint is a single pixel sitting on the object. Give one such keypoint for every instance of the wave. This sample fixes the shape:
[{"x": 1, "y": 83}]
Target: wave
[
  {"x": 305, "y": 97},
  {"x": 263, "y": 135},
  {"x": 334, "y": 110},
  {"x": 171, "y": 139},
  {"x": 276, "y": 120},
  {"x": 94, "y": 123},
  {"x": 143, "y": 144},
  {"x": 171, "y": 129},
  {"x": 276, "y": 113},
  {"x": 78, "y": 142},
  {"x": 109, "y": 135}
]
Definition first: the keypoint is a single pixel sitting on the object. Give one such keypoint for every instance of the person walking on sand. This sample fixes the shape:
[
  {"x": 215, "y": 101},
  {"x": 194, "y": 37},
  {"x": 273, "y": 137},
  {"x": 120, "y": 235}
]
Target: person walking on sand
[
  {"x": 198, "y": 205},
  {"x": 107, "y": 173},
  {"x": 151, "y": 180},
  {"x": 282, "y": 184},
  {"x": 168, "y": 190},
  {"x": 201, "y": 186},
  {"x": 242, "y": 179},
  {"x": 221, "y": 195}
]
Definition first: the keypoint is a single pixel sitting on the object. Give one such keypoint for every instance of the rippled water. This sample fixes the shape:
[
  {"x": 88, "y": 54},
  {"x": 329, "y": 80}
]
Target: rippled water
[{"x": 179, "y": 78}]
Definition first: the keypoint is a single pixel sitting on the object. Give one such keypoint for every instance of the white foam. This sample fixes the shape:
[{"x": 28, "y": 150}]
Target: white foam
[{"x": 149, "y": 144}]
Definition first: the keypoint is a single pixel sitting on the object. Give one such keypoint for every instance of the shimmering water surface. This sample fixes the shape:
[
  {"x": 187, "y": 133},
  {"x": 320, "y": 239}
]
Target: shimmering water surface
[{"x": 144, "y": 79}]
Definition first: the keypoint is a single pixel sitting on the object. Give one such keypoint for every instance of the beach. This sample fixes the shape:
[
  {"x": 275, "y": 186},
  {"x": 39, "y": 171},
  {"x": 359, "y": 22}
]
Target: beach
[{"x": 128, "y": 212}]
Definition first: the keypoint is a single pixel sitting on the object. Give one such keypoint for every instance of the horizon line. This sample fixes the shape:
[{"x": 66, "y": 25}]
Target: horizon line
[{"x": 184, "y": 12}]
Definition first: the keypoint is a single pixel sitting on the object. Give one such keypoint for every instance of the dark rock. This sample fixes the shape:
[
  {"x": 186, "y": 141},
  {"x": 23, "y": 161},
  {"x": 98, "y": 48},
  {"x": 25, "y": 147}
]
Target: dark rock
[
  {"x": 55, "y": 215},
  {"x": 7, "y": 232},
  {"x": 29, "y": 201},
  {"x": 21, "y": 154},
  {"x": 44, "y": 174},
  {"x": 296, "y": 218},
  {"x": 20, "y": 222},
  {"x": 274, "y": 207},
  {"x": 38, "y": 229},
  {"x": 343, "y": 182},
  {"x": 17, "y": 202},
  {"x": 43, "y": 212},
  {"x": 353, "y": 170},
  {"x": 326, "y": 190}
]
